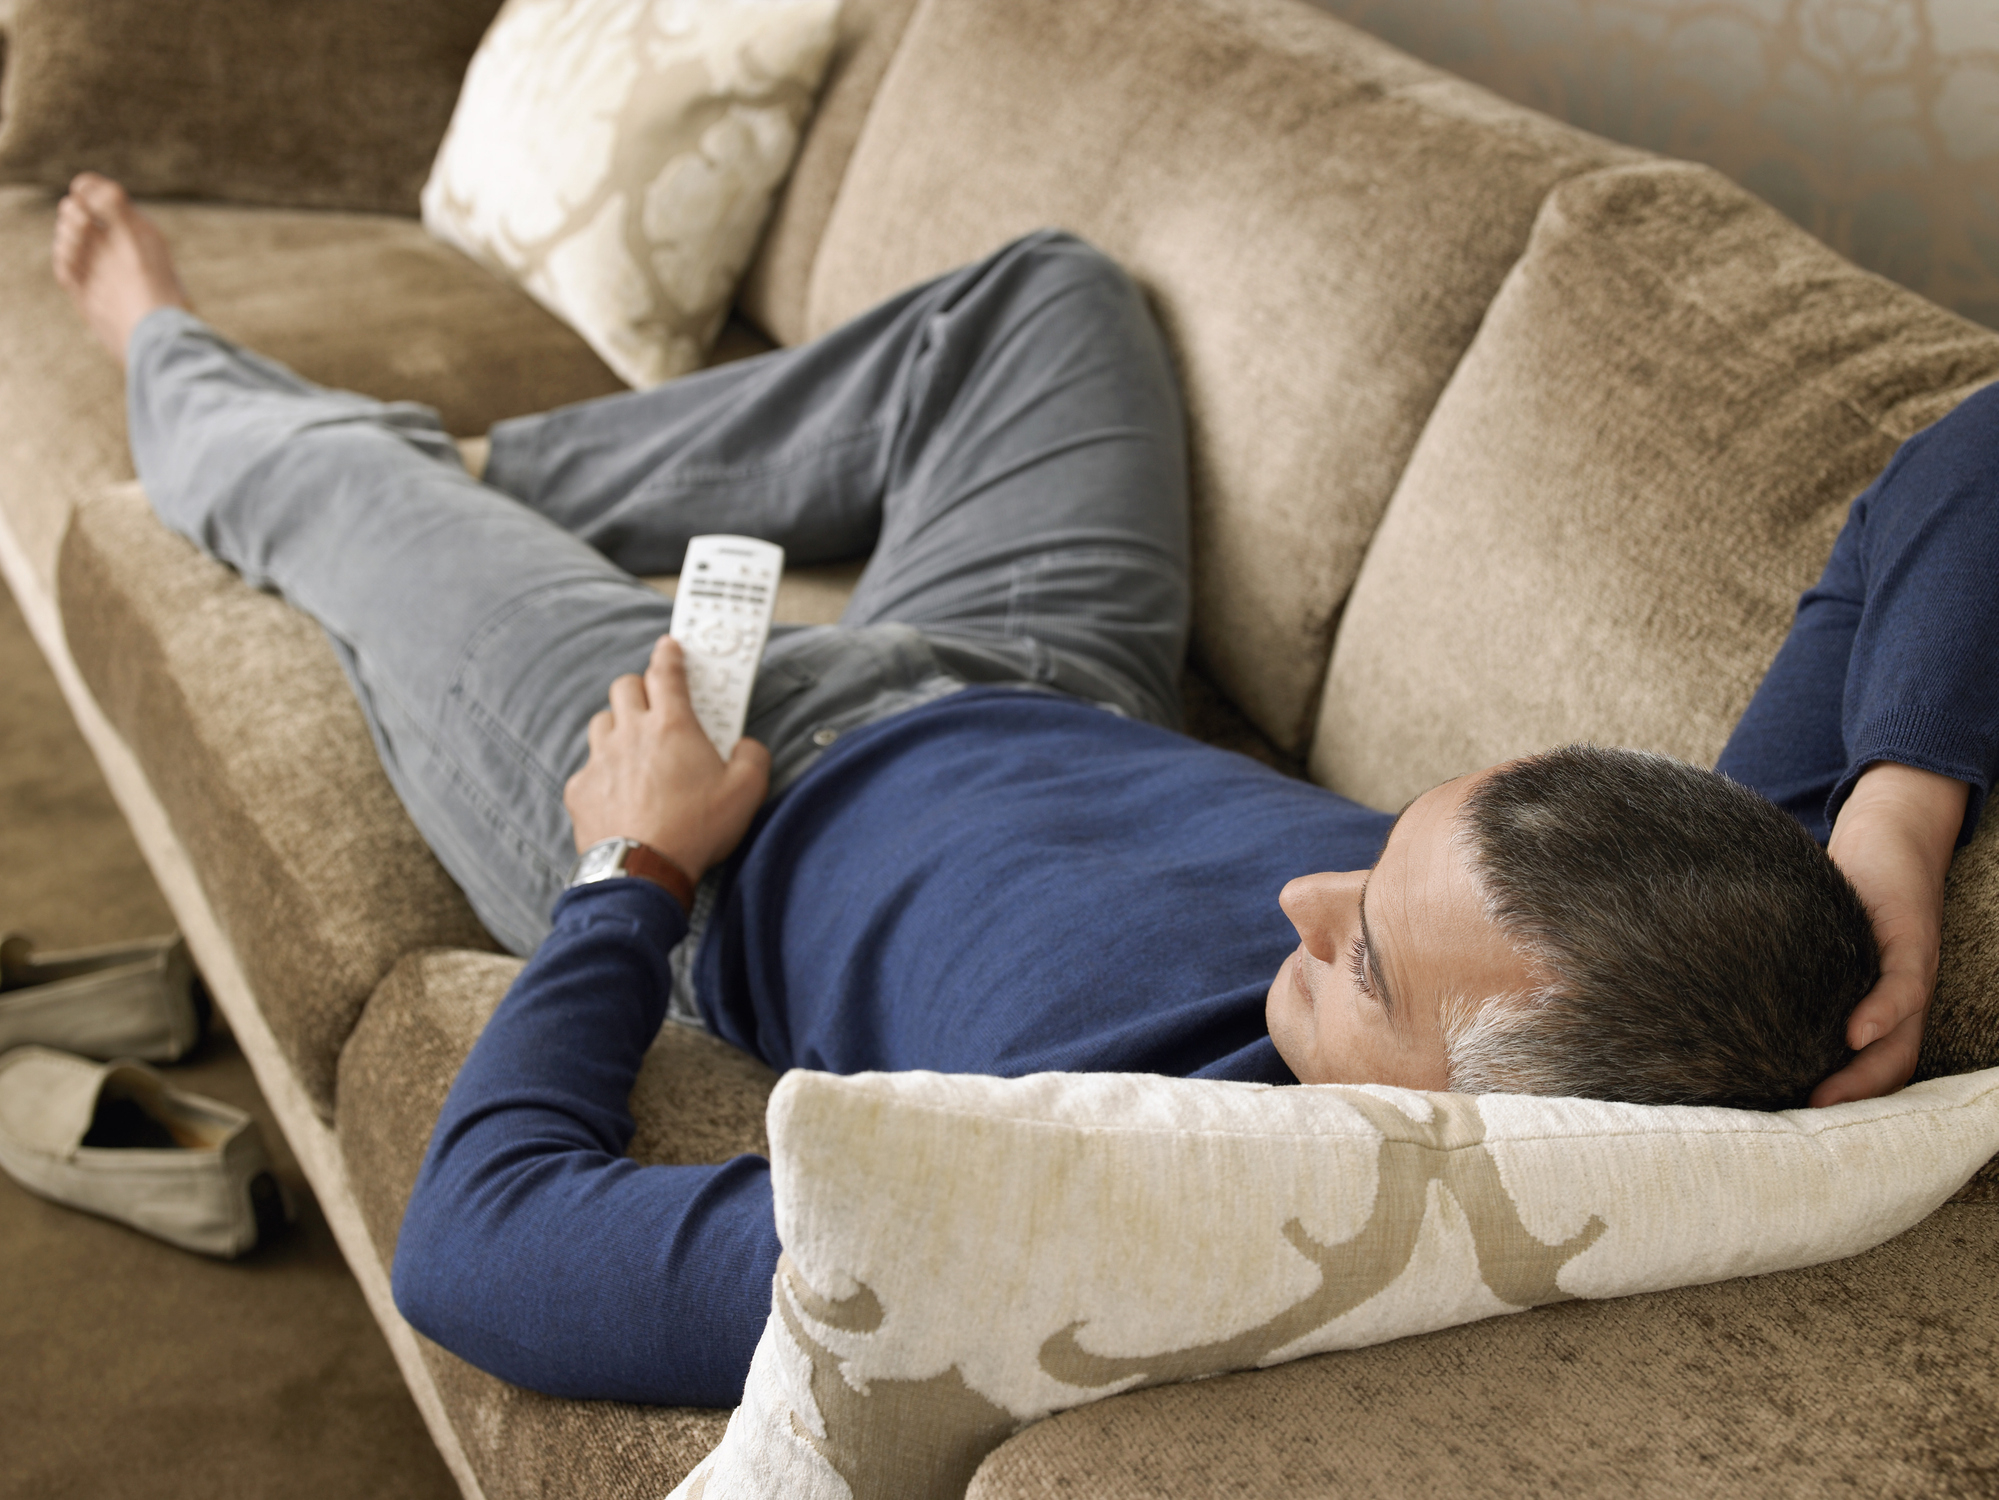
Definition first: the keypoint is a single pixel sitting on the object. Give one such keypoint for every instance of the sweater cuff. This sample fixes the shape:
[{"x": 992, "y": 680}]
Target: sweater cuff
[
  {"x": 1928, "y": 741},
  {"x": 646, "y": 908}
]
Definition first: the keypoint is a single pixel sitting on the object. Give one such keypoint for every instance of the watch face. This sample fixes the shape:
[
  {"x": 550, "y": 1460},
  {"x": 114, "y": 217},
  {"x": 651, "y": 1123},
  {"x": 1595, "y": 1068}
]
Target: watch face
[{"x": 601, "y": 861}]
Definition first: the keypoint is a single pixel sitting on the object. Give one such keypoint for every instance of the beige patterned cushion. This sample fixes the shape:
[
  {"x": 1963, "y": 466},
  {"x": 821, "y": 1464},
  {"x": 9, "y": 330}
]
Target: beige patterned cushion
[
  {"x": 617, "y": 158},
  {"x": 965, "y": 1255}
]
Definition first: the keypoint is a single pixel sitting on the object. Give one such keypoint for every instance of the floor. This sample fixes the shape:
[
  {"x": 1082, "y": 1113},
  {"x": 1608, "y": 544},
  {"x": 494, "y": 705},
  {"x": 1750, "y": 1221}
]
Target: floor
[{"x": 130, "y": 1370}]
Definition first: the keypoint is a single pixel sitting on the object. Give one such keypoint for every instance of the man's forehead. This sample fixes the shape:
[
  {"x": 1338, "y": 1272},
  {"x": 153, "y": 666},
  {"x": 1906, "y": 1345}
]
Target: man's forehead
[{"x": 1403, "y": 815}]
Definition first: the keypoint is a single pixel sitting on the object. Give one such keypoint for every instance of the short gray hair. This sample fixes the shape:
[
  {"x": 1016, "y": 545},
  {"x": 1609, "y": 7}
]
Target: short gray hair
[{"x": 1691, "y": 943}]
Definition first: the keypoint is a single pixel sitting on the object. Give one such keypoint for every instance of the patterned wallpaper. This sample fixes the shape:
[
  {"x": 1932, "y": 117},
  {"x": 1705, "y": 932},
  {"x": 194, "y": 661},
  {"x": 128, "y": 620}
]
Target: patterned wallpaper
[{"x": 1873, "y": 123}]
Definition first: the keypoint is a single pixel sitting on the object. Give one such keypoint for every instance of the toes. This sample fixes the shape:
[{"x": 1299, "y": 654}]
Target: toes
[
  {"x": 103, "y": 198},
  {"x": 74, "y": 227},
  {"x": 68, "y": 248}
]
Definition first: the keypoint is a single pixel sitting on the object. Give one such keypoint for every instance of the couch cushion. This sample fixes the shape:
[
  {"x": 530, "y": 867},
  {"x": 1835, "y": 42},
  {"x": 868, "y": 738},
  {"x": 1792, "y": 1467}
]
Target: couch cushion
[
  {"x": 696, "y": 1100},
  {"x": 1642, "y": 462},
  {"x": 358, "y": 301},
  {"x": 1319, "y": 220},
  {"x": 373, "y": 304},
  {"x": 1963, "y": 1028},
  {"x": 250, "y": 736},
  {"x": 1865, "y": 1377},
  {"x": 773, "y": 294},
  {"x": 336, "y": 104}
]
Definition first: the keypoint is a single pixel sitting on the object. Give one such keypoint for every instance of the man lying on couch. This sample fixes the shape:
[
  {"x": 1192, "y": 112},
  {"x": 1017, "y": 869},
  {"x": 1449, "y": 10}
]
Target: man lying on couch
[{"x": 983, "y": 848}]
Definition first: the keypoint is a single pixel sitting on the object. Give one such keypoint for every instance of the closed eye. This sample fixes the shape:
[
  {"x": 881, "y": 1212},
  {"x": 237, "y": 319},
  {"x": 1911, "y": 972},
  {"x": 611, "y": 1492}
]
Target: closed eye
[{"x": 1357, "y": 965}]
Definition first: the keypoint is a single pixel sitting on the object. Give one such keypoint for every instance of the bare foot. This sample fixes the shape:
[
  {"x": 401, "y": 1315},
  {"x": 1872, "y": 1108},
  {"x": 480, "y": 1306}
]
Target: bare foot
[{"x": 112, "y": 260}]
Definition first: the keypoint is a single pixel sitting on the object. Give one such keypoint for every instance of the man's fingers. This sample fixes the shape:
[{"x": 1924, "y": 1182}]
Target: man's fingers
[
  {"x": 666, "y": 676},
  {"x": 750, "y": 758},
  {"x": 628, "y": 695},
  {"x": 600, "y": 729},
  {"x": 1893, "y": 1000},
  {"x": 745, "y": 780},
  {"x": 1879, "y": 1069}
]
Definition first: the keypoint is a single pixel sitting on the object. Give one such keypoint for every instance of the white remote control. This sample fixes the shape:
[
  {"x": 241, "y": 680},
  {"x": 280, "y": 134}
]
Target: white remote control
[{"x": 721, "y": 617}]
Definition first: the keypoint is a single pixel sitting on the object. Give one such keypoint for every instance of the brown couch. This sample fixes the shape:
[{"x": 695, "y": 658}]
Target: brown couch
[{"x": 1503, "y": 436}]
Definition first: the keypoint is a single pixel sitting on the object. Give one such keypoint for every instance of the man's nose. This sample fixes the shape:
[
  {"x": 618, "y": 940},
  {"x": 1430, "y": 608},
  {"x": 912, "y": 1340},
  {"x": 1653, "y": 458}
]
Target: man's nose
[{"x": 1323, "y": 907}]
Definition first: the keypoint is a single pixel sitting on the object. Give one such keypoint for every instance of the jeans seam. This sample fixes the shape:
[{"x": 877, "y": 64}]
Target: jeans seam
[
  {"x": 474, "y": 706},
  {"x": 694, "y": 475},
  {"x": 493, "y": 622},
  {"x": 510, "y": 744},
  {"x": 467, "y": 785}
]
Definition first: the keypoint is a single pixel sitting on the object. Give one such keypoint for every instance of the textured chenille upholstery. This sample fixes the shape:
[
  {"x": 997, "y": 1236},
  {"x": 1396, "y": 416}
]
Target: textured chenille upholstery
[
  {"x": 255, "y": 745},
  {"x": 1638, "y": 466},
  {"x": 1319, "y": 221},
  {"x": 335, "y": 104}
]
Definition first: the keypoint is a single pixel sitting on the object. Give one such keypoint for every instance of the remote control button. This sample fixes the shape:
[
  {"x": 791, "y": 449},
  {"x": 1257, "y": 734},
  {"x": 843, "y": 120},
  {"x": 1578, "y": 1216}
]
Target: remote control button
[{"x": 719, "y": 638}]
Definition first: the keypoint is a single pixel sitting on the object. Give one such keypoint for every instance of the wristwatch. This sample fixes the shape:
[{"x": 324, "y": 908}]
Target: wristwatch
[{"x": 614, "y": 859}]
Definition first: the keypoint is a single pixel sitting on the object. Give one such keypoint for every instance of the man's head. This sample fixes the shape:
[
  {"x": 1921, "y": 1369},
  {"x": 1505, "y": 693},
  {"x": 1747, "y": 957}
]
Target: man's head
[{"x": 1591, "y": 922}]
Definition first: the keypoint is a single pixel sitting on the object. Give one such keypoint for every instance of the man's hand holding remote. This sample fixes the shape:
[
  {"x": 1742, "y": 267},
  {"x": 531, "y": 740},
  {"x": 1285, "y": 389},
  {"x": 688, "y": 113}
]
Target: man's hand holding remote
[{"x": 654, "y": 776}]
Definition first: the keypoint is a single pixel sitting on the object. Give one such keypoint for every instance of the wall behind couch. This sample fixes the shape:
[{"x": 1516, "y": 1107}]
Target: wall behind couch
[{"x": 1873, "y": 123}]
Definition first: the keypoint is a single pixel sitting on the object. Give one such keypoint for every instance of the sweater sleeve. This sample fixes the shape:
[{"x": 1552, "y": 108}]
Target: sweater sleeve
[
  {"x": 1894, "y": 654},
  {"x": 533, "y": 1246}
]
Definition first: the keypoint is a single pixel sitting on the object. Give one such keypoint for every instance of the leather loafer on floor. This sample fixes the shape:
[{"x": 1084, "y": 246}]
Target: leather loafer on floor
[
  {"x": 114, "y": 1139},
  {"x": 127, "y": 1000}
]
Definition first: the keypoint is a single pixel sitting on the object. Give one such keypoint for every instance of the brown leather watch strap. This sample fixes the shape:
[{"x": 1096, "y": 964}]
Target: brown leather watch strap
[{"x": 648, "y": 863}]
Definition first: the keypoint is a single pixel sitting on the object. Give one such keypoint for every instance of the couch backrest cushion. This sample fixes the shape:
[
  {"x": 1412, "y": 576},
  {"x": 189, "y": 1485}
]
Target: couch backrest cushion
[
  {"x": 773, "y": 294},
  {"x": 1320, "y": 221},
  {"x": 333, "y": 104},
  {"x": 1641, "y": 463}
]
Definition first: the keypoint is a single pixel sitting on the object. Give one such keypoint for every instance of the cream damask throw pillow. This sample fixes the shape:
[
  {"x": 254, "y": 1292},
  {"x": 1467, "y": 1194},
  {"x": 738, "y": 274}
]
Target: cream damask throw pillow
[
  {"x": 618, "y": 158},
  {"x": 966, "y": 1255}
]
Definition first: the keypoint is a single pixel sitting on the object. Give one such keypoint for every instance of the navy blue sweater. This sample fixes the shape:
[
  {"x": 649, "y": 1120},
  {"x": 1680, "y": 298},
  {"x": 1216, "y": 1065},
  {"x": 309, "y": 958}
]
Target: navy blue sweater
[{"x": 1009, "y": 882}]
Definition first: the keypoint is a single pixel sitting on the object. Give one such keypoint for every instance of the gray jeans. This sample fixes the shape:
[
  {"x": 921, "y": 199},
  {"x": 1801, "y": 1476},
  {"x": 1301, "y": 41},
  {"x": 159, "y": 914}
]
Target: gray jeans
[{"x": 1006, "y": 442}]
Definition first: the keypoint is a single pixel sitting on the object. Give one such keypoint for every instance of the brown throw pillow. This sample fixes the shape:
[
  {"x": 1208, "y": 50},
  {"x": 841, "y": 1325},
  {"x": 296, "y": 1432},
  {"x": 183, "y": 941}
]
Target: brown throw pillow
[{"x": 309, "y": 103}]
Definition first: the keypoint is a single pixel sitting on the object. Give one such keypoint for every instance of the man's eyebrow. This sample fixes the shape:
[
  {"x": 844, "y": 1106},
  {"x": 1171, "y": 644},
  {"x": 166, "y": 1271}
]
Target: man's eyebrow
[{"x": 1374, "y": 959}]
